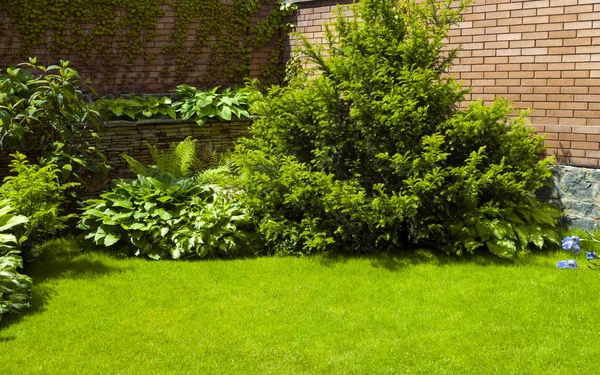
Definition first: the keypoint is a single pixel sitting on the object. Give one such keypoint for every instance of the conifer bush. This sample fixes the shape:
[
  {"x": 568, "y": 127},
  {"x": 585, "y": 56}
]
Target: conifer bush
[{"x": 367, "y": 149}]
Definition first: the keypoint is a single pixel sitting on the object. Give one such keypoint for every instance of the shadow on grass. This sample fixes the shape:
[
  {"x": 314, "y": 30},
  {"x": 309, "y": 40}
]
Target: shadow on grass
[
  {"x": 397, "y": 261},
  {"x": 59, "y": 259}
]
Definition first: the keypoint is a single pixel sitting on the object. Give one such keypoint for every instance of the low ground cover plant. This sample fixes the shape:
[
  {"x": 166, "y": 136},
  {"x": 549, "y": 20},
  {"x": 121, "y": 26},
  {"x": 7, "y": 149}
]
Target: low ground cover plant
[
  {"x": 166, "y": 212},
  {"x": 367, "y": 149}
]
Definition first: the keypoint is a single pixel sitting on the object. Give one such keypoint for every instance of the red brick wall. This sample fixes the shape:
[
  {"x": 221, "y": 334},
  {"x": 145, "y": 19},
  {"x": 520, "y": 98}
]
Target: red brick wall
[
  {"x": 540, "y": 54},
  {"x": 154, "y": 74}
]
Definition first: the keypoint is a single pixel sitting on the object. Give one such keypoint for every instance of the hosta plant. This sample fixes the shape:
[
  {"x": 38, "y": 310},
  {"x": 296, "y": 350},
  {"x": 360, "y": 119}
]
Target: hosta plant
[
  {"x": 166, "y": 217},
  {"x": 201, "y": 105},
  {"x": 136, "y": 108}
]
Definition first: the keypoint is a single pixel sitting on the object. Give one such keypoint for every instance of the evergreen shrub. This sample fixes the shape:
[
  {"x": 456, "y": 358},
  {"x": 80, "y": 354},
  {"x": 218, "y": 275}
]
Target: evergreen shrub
[{"x": 367, "y": 148}]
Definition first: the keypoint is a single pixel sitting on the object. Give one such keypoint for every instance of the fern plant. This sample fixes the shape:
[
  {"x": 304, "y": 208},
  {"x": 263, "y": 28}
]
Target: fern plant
[{"x": 179, "y": 160}]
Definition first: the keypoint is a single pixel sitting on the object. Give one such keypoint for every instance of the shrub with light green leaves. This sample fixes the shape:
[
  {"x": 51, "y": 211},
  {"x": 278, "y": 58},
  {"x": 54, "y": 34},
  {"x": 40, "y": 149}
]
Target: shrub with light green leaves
[
  {"x": 367, "y": 149},
  {"x": 15, "y": 288},
  {"x": 35, "y": 192}
]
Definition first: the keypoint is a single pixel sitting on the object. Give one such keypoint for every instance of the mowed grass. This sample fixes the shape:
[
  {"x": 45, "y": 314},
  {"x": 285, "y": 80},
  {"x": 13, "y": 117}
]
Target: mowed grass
[{"x": 421, "y": 314}]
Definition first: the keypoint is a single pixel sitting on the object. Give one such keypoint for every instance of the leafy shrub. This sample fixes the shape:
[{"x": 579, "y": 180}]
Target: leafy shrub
[
  {"x": 136, "y": 108},
  {"x": 166, "y": 213},
  {"x": 204, "y": 104},
  {"x": 163, "y": 216},
  {"x": 35, "y": 192},
  {"x": 15, "y": 288},
  {"x": 373, "y": 152},
  {"x": 47, "y": 114}
]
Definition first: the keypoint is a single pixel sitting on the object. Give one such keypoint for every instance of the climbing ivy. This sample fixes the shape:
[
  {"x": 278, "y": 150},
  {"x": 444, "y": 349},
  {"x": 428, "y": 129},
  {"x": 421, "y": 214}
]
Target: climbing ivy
[{"x": 109, "y": 37}]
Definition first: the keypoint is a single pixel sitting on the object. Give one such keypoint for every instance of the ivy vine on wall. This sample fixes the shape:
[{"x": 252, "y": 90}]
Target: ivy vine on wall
[{"x": 123, "y": 41}]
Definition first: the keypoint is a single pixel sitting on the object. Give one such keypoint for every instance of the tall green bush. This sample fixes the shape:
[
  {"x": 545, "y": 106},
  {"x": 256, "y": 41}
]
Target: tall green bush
[
  {"x": 367, "y": 149},
  {"x": 43, "y": 111}
]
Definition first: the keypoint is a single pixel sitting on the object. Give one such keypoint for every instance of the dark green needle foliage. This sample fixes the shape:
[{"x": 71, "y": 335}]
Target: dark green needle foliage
[{"x": 367, "y": 149}]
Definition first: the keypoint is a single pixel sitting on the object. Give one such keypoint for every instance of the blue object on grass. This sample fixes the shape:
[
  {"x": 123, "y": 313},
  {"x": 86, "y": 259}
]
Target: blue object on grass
[
  {"x": 566, "y": 264},
  {"x": 591, "y": 255},
  {"x": 571, "y": 243}
]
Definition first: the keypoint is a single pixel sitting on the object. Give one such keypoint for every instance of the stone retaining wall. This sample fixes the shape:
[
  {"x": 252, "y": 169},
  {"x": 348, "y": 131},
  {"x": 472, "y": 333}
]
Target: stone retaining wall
[
  {"x": 132, "y": 138},
  {"x": 577, "y": 191}
]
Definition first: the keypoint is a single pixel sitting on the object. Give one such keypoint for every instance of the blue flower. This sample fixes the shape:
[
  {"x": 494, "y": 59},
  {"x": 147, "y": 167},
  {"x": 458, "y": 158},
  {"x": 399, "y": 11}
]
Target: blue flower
[
  {"x": 591, "y": 256},
  {"x": 566, "y": 264},
  {"x": 571, "y": 243}
]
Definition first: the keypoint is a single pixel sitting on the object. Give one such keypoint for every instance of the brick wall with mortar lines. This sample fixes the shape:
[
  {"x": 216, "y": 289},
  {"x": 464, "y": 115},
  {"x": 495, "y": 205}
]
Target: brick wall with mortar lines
[
  {"x": 155, "y": 75},
  {"x": 540, "y": 54}
]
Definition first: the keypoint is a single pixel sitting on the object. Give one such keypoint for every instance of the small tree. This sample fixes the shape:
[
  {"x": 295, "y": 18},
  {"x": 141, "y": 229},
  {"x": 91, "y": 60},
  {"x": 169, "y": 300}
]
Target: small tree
[{"x": 373, "y": 152}]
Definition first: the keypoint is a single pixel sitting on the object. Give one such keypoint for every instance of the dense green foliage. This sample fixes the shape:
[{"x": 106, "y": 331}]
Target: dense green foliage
[
  {"x": 15, "y": 288},
  {"x": 136, "y": 108},
  {"x": 166, "y": 213},
  {"x": 46, "y": 114},
  {"x": 35, "y": 192},
  {"x": 201, "y": 105},
  {"x": 367, "y": 150}
]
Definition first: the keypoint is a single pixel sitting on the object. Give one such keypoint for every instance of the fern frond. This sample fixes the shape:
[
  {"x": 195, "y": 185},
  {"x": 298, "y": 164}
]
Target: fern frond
[
  {"x": 184, "y": 156},
  {"x": 135, "y": 166}
]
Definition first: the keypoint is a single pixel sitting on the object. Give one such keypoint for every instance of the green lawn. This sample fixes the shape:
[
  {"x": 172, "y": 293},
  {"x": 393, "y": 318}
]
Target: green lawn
[{"x": 97, "y": 314}]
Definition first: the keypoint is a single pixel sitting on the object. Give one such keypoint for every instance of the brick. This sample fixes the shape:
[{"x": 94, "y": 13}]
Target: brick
[
  {"x": 484, "y": 23},
  {"x": 560, "y": 113},
  {"x": 547, "y": 74},
  {"x": 576, "y": 74},
  {"x": 586, "y": 49},
  {"x": 548, "y": 58},
  {"x": 510, "y": 36},
  {"x": 520, "y": 90},
  {"x": 536, "y": 4},
  {"x": 510, "y": 6},
  {"x": 521, "y": 59},
  {"x": 497, "y": 14},
  {"x": 578, "y": 9},
  {"x": 549, "y": 43},
  {"x": 571, "y": 121},
  {"x": 586, "y": 129},
  {"x": 573, "y": 105},
  {"x": 520, "y": 44},
  {"x": 484, "y": 38},
  {"x": 509, "y": 21},
  {"x": 587, "y": 114},
  {"x": 559, "y": 129},
  {"x": 545, "y": 19},
  {"x": 583, "y": 161},
  {"x": 586, "y": 145},
  {"x": 521, "y": 74},
  {"x": 576, "y": 58},
  {"x": 588, "y": 65},
  {"x": 574, "y": 90},
  {"x": 498, "y": 29},
  {"x": 495, "y": 75},
  {"x": 578, "y": 25},
  {"x": 572, "y": 137}
]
